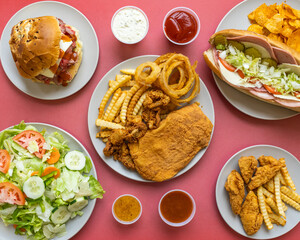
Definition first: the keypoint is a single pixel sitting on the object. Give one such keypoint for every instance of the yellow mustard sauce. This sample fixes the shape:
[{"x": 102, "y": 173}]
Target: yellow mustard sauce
[{"x": 127, "y": 208}]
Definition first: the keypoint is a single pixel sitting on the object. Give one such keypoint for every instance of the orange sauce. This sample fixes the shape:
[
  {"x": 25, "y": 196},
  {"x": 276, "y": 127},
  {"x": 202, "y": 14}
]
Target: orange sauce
[
  {"x": 176, "y": 206},
  {"x": 127, "y": 208}
]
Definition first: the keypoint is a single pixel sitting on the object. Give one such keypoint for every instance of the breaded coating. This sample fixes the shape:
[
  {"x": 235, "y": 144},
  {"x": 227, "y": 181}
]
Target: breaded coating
[
  {"x": 236, "y": 189},
  {"x": 265, "y": 173},
  {"x": 247, "y": 167},
  {"x": 251, "y": 217}
]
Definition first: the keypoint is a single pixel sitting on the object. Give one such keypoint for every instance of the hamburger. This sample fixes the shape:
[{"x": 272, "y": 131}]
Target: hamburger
[{"x": 46, "y": 50}]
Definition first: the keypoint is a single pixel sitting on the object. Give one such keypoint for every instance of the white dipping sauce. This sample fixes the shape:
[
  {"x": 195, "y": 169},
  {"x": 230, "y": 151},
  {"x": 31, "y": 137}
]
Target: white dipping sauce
[{"x": 129, "y": 25}]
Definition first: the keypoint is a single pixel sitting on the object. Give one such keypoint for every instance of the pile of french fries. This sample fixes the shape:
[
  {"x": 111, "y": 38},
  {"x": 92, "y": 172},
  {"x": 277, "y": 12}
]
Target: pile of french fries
[
  {"x": 127, "y": 100},
  {"x": 273, "y": 195}
]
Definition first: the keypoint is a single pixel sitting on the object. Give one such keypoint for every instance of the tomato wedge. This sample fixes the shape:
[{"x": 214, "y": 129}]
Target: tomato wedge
[
  {"x": 27, "y": 136},
  {"x": 231, "y": 68},
  {"x": 10, "y": 193},
  {"x": 271, "y": 89},
  {"x": 4, "y": 160}
]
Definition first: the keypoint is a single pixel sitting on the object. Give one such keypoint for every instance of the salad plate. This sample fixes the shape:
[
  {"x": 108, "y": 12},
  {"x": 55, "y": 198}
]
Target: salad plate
[
  {"x": 237, "y": 18},
  {"x": 90, "y": 50},
  {"x": 203, "y": 98},
  {"x": 222, "y": 197},
  {"x": 73, "y": 226}
]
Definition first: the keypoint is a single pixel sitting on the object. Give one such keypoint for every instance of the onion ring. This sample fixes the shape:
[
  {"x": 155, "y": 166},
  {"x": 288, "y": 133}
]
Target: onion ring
[{"x": 147, "y": 79}]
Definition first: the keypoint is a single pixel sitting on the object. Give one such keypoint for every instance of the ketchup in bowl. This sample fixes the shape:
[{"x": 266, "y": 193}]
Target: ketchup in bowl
[{"x": 181, "y": 25}]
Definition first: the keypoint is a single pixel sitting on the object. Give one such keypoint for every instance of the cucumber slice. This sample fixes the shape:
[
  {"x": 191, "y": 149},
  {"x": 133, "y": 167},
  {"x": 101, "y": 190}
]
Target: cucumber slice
[
  {"x": 75, "y": 160},
  {"x": 34, "y": 187},
  {"x": 60, "y": 215},
  {"x": 78, "y": 204}
]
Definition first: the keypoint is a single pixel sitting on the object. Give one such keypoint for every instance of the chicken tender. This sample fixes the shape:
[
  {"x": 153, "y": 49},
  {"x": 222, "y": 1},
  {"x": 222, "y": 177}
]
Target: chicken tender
[
  {"x": 264, "y": 174},
  {"x": 247, "y": 167},
  {"x": 236, "y": 189},
  {"x": 250, "y": 215}
]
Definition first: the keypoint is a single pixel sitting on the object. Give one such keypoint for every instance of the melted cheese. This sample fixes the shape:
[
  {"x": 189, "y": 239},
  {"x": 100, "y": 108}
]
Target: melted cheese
[
  {"x": 234, "y": 77},
  {"x": 64, "y": 45}
]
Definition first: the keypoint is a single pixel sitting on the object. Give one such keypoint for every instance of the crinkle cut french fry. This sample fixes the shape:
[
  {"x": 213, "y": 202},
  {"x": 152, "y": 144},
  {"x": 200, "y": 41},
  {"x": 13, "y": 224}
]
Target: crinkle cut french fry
[
  {"x": 286, "y": 175},
  {"x": 134, "y": 101},
  {"x": 109, "y": 92},
  {"x": 272, "y": 204},
  {"x": 282, "y": 181},
  {"x": 262, "y": 206},
  {"x": 115, "y": 97},
  {"x": 290, "y": 202},
  {"x": 139, "y": 104},
  {"x": 290, "y": 193},
  {"x": 129, "y": 71},
  {"x": 270, "y": 185},
  {"x": 124, "y": 107},
  {"x": 268, "y": 207},
  {"x": 116, "y": 107},
  {"x": 110, "y": 125},
  {"x": 267, "y": 193},
  {"x": 277, "y": 195},
  {"x": 277, "y": 219}
]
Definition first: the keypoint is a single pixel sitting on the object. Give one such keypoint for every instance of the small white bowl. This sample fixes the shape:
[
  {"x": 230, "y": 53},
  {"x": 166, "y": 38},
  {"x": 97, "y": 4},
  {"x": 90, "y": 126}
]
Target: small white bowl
[
  {"x": 185, "y": 9},
  {"x": 180, "y": 224},
  {"x": 127, "y": 222},
  {"x": 126, "y": 29}
]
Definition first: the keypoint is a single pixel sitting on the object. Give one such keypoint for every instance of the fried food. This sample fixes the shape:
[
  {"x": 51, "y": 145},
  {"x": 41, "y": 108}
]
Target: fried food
[
  {"x": 188, "y": 78},
  {"x": 278, "y": 22},
  {"x": 247, "y": 167},
  {"x": 161, "y": 153},
  {"x": 236, "y": 190},
  {"x": 262, "y": 206},
  {"x": 264, "y": 174},
  {"x": 142, "y": 77},
  {"x": 250, "y": 215},
  {"x": 286, "y": 175}
]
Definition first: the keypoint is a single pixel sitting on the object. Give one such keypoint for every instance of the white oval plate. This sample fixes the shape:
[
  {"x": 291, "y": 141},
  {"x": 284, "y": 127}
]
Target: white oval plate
[
  {"x": 90, "y": 48},
  {"x": 237, "y": 18},
  {"x": 74, "y": 225},
  {"x": 222, "y": 198},
  {"x": 203, "y": 98}
]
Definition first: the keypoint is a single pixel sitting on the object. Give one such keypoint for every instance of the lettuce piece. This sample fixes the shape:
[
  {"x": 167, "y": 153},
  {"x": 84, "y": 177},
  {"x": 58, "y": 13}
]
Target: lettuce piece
[
  {"x": 96, "y": 188},
  {"x": 88, "y": 165}
]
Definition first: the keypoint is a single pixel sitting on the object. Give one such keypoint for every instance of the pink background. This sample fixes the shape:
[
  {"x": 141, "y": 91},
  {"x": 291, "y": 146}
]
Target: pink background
[{"x": 233, "y": 129}]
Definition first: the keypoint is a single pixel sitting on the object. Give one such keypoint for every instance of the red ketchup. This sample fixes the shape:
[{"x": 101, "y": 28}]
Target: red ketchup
[{"x": 181, "y": 26}]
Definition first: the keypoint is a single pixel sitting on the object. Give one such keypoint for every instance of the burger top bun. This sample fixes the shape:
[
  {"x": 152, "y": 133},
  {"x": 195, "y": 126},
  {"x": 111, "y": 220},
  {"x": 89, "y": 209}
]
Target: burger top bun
[{"x": 34, "y": 44}]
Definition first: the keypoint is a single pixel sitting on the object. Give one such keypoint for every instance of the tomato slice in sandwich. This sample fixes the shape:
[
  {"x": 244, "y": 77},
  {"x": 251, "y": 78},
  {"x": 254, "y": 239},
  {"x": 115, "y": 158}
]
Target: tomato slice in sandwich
[
  {"x": 231, "y": 68},
  {"x": 271, "y": 89},
  {"x": 4, "y": 160},
  {"x": 25, "y": 138},
  {"x": 10, "y": 193}
]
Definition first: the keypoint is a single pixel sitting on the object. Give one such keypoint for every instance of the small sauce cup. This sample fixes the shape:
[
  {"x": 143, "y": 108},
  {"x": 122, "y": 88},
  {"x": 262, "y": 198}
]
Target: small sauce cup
[
  {"x": 127, "y": 209},
  {"x": 129, "y": 25},
  {"x": 181, "y": 25},
  {"x": 177, "y": 208}
]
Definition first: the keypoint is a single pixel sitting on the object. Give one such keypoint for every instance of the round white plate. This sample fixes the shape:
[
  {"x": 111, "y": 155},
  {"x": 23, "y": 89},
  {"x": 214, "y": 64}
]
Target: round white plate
[
  {"x": 237, "y": 18},
  {"x": 74, "y": 225},
  {"x": 88, "y": 37},
  {"x": 222, "y": 198},
  {"x": 203, "y": 98}
]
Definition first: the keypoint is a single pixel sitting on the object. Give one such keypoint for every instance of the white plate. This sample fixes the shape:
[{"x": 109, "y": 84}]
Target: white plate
[
  {"x": 222, "y": 198},
  {"x": 204, "y": 99},
  {"x": 74, "y": 225},
  {"x": 88, "y": 37},
  {"x": 237, "y": 18}
]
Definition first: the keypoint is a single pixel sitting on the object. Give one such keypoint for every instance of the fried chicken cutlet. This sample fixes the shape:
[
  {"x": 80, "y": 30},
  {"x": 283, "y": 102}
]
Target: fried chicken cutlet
[
  {"x": 250, "y": 215},
  {"x": 247, "y": 166},
  {"x": 236, "y": 189},
  {"x": 162, "y": 152}
]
